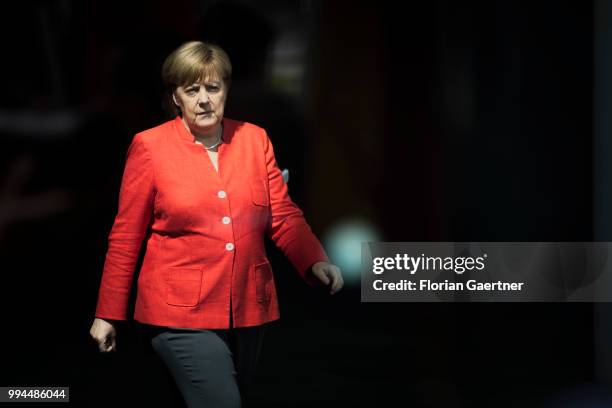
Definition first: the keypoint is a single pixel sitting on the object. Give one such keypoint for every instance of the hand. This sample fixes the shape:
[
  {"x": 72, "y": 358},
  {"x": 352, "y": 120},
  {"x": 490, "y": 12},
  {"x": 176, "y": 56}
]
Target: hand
[
  {"x": 328, "y": 273},
  {"x": 104, "y": 333}
]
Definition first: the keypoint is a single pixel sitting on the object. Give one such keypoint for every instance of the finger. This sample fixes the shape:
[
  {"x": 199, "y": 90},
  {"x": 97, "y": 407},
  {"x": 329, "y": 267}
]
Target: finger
[
  {"x": 339, "y": 282},
  {"x": 325, "y": 277},
  {"x": 107, "y": 344},
  {"x": 334, "y": 286},
  {"x": 337, "y": 288}
]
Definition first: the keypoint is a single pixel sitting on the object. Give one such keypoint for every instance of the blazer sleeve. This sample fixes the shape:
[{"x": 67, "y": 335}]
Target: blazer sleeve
[
  {"x": 136, "y": 196},
  {"x": 288, "y": 229}
]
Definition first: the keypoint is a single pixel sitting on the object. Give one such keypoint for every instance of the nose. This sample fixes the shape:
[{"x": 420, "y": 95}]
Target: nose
[{"x": 203, "y": 96}]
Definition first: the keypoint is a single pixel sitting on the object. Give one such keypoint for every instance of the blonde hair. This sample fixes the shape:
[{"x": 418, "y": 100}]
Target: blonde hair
[{"x": 194, "y": 61}]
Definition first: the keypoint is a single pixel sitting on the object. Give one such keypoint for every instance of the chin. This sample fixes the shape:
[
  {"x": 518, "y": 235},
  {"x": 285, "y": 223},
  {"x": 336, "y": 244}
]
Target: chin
[{"x": 212, "y": 120}]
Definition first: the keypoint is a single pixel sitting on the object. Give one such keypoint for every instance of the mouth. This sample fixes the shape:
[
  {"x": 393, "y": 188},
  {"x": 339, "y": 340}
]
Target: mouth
[{"x": 205, "y": 113}]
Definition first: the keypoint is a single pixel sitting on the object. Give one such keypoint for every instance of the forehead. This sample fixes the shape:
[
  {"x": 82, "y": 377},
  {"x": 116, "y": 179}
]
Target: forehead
[
  {"x": 205, "y": 76},
  {"x": 208, "y": 80}
]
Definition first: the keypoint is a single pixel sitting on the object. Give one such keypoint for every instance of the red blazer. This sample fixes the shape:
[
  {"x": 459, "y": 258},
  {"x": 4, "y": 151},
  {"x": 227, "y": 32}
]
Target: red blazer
[{"x": 204, "y": 231}]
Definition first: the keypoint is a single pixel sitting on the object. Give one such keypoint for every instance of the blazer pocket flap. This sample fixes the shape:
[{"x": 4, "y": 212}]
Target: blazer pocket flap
[{"x": 259, "y": 194}]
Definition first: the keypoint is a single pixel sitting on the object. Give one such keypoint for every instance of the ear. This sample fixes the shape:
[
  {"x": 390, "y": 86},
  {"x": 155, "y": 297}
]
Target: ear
[{"x": 174, "y": 99}]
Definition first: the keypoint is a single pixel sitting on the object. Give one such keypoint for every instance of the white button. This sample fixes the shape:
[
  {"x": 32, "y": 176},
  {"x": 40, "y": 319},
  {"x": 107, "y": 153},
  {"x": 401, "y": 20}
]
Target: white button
[
  {"x": 221, "y": 194},
  {"x": 226, "y": 220},
  {"x": 229, "y": 246}
]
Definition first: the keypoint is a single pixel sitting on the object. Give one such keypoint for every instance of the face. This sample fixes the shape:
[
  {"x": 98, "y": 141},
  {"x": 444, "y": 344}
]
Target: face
[{"x": 202, "y": 105}]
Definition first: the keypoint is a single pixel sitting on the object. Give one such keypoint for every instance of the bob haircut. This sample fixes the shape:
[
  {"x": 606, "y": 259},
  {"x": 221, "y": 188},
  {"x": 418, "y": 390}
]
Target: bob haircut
[{"x": 193, "y": 62}]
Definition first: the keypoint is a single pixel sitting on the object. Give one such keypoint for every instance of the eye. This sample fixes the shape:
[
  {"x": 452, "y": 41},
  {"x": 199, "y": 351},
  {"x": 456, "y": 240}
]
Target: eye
[
  {"x": 212, "y": 88},
  {"x": 192, "y": 90}
]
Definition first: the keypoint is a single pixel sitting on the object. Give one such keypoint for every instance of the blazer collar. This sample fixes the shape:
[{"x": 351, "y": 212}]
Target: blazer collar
[{"x": 186, "y": 135}]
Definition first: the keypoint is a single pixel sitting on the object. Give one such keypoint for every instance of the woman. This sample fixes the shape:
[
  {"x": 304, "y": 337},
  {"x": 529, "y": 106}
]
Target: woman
[{"x": 202, "y": 191}]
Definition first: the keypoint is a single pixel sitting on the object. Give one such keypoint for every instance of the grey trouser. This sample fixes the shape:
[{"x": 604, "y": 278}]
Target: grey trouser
[{"x": 213, "y": 368}]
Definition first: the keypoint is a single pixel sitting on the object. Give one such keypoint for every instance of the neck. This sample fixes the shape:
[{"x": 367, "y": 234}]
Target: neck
[{"x": 208, "y": 136}]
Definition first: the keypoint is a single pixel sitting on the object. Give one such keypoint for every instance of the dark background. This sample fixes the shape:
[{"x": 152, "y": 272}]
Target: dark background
[{"x": 433, "y": 121}]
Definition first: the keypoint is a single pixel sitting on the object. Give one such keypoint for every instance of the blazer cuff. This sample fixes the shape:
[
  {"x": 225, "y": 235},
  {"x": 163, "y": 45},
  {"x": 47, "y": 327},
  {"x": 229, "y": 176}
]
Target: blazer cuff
[{"x": 111, "y": 307}]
